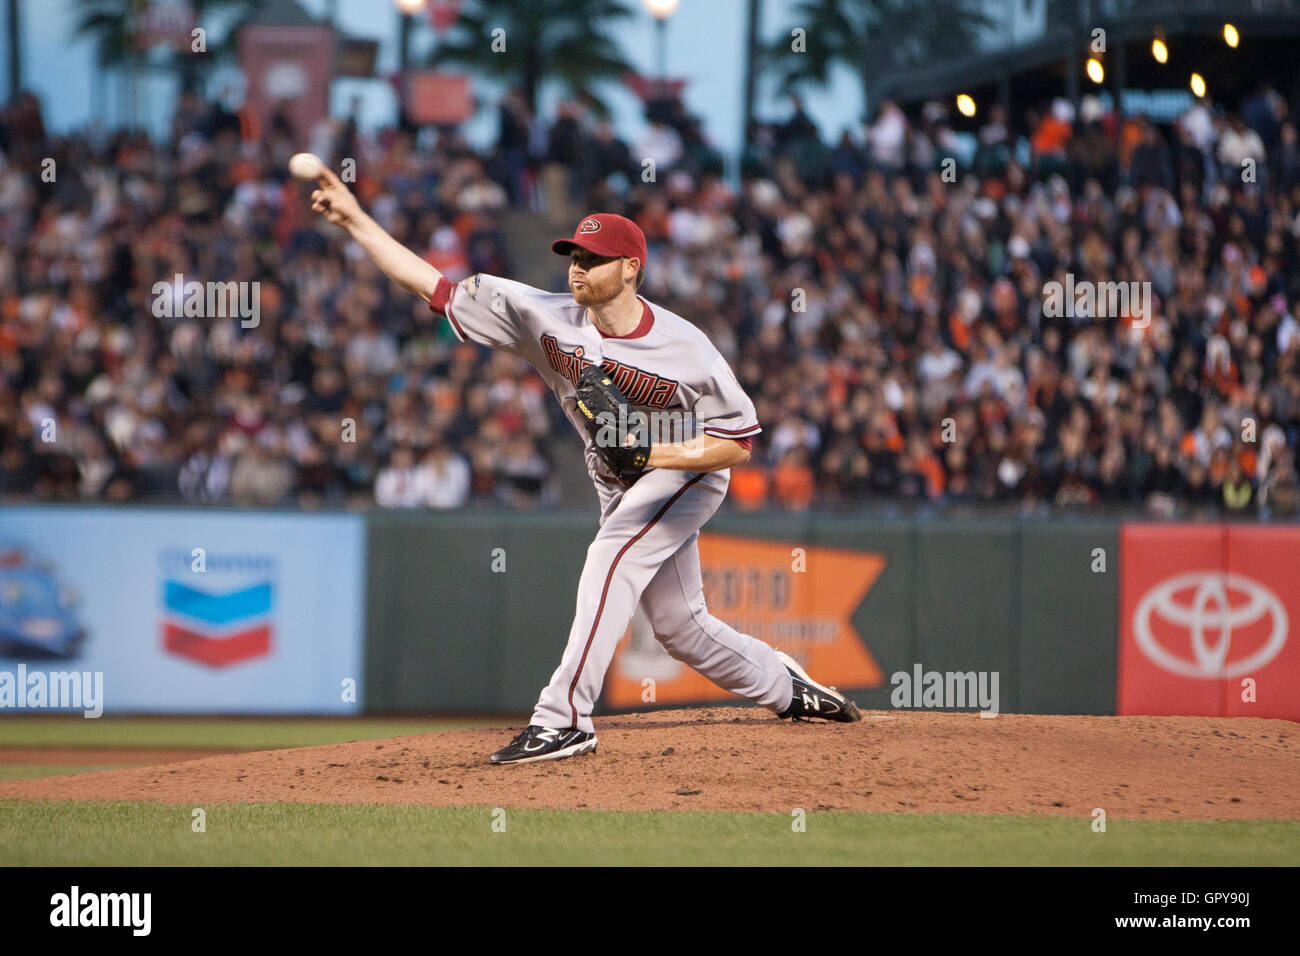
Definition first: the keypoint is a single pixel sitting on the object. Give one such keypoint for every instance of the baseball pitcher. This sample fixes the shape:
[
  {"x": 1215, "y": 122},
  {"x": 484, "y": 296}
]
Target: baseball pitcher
[{"x": 662, "y": 418}]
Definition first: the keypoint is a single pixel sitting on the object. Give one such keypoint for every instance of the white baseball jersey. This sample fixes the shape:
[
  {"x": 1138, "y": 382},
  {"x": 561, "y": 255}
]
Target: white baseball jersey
[
  {"x": 645, "y": 554},
  {"x": 666, "y": 367}
]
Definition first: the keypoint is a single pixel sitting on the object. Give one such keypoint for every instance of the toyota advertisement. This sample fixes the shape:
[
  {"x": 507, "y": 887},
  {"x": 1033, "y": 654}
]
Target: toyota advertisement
[
  {"x": 185, "y": 612},
  {"x": 1208, "y": 616}
]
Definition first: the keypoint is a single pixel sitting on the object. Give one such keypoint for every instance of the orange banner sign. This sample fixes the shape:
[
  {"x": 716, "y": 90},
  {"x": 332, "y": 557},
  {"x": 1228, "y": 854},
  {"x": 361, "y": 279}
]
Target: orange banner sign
[{"x": 799, "y": 600}]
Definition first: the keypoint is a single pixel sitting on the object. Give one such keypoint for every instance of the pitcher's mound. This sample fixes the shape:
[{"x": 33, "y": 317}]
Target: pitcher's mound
[{"x": 745, "y": 759}]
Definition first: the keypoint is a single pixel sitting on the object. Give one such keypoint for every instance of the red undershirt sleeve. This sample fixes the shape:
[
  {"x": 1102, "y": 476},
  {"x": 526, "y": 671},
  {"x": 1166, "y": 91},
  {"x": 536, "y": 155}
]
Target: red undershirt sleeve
[{"x": 441, "y": 295}]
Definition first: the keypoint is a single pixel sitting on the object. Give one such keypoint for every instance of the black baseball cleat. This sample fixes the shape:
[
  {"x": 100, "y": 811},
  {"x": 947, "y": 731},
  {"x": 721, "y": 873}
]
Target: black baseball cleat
[
  {"x": 812, "y": 699},
  {"x": 545, "y": 743}
]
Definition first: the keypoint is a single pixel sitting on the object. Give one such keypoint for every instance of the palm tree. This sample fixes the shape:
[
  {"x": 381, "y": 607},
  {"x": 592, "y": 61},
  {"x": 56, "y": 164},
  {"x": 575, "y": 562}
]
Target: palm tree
[
  {"x": 112, "y": 24},
  {"x": 874, "y": 38},
  {"x": 570, "y": 41}
]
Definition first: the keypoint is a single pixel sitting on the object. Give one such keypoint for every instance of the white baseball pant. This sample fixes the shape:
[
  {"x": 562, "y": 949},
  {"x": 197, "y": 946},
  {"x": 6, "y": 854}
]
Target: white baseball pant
[{"x": 646, "y": 553}]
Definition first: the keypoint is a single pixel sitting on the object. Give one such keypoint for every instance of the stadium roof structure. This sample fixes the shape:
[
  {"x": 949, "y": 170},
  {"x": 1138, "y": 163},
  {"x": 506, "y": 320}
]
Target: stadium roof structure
[{"x": 1052, "y": 64}]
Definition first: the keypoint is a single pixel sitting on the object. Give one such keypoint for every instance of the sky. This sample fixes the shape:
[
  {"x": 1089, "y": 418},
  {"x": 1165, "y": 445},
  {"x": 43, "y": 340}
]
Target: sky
[{"x": 706, "y": 41}]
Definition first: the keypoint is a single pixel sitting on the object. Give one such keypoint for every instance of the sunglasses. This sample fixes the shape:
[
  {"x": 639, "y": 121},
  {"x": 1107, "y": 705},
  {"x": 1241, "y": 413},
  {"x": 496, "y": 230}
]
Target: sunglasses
[{"x": 589, "y": 260}]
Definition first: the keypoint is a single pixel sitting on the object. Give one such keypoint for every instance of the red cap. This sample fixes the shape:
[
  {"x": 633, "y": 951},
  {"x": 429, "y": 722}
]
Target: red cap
[{"x": 605, "y": 234}]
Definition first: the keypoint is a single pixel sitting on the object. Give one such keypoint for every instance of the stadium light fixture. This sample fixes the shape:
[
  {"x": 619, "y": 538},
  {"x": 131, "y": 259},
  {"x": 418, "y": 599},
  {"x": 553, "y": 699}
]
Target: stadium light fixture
[
  {"x": 661, "y": 9},
  {"x": 965, "y": 105},
  {"x": 1230, "y": 35},
  {"x": 1159, "y": 50},
  {"x": 1095, "y": 72},
  {"x": 1198, "y": 85}
]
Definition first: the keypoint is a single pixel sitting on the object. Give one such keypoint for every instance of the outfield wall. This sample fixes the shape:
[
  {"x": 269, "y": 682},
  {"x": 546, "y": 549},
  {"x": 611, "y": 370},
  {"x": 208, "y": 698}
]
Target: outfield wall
[
  {"x": 468, "y": 612},
  {"x": 446, "y": 631},
  {"x": 181, "y": 611}
]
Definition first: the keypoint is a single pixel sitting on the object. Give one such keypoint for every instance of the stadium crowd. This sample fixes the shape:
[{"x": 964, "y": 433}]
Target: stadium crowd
[{"x": 881, "y": 298}]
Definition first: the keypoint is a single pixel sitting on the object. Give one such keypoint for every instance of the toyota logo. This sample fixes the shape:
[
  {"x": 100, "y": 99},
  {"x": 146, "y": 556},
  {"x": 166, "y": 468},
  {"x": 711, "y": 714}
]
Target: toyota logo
[{"x": 1208, "y": 605}]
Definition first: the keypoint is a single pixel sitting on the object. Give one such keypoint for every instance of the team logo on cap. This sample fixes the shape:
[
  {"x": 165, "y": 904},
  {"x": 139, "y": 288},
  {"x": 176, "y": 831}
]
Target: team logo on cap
[{"x": 589, "y": 225}]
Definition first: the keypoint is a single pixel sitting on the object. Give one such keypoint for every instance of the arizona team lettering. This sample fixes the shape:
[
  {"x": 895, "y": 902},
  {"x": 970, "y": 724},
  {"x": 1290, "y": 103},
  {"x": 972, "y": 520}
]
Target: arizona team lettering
[{"x": 640, "y": 387}]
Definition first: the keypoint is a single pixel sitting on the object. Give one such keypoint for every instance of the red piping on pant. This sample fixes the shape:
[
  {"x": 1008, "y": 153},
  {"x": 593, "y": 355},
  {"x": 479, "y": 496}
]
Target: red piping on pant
[{"x": 605, "y": 590}]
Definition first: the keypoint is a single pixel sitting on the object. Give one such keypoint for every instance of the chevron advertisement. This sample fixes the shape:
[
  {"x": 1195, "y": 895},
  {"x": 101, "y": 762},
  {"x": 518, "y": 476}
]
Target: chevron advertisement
[{"x": 186, "y": 611}]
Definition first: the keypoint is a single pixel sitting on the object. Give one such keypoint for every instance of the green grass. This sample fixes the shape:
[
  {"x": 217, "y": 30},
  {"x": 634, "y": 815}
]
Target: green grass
[
  {"x": 194, "y": 732},
  {"x": 118, "y": 833},
  {"x": 217, "y": 732},
  {"x": 199, "y": 733}
]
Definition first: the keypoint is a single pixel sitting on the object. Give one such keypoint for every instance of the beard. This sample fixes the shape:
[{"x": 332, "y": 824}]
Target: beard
[{"x": 597, "y": 292}]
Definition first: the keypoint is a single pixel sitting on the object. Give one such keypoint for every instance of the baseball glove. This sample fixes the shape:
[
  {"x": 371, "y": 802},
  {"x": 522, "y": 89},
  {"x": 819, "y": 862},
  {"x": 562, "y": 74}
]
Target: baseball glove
[{"x": 618, "y": 431}]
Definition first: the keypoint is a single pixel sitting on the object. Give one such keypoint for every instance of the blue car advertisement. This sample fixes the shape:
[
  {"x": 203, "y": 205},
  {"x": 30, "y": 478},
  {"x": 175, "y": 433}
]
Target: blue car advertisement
[
  {"x": 38, "y": 615},
  {"x": 185, "y": 611}
]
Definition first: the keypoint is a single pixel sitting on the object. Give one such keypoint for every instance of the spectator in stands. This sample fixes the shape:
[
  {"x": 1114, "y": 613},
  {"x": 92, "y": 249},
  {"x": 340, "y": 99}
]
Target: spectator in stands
[
  {"x": 261, "y": 476},
  {"x": 1238, "y": 145},
  {"x": 448, "y": 477},
  {"x": 917, "y": 364},
  {"x": 563, "y": 154},
  {"x": 401, "y": 484},
  {"x": 1279, "y": 494},
  {"x": 1150, "y": 164},
  {"x": 793, "y": 483},
  {"x": 1051, "y": 138}
]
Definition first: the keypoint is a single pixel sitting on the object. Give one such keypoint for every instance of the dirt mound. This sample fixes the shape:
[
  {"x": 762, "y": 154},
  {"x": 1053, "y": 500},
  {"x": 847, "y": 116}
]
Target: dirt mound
[{"x": 742, "y": 759}]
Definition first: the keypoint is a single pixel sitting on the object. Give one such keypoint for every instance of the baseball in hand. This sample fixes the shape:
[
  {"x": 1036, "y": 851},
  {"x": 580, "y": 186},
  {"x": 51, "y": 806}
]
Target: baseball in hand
[{"x": 306, "y": 166}]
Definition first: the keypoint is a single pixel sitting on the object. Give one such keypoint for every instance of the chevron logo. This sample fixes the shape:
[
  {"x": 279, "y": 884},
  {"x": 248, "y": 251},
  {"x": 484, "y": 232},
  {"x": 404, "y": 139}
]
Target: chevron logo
[{"x": 217, "y": 629}]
